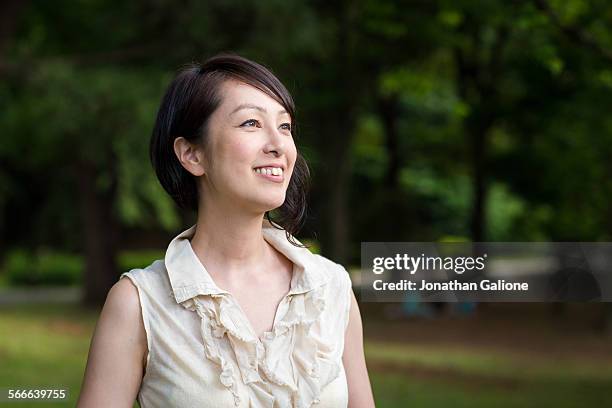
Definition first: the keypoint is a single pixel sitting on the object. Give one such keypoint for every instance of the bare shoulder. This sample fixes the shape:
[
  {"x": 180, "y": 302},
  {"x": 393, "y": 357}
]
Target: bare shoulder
[
  {"x": 115, "y": 364},
  {"x": 123, "y": 299},
  {"x": 122, "y": 314}
]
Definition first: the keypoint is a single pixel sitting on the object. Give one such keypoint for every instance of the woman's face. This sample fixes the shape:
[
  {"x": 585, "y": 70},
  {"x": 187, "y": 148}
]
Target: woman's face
[{"x": 250, "y": 152}]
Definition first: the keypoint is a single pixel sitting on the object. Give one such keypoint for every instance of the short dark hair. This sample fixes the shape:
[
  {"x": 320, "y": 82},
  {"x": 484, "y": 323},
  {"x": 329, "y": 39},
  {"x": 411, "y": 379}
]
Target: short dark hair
[{"x": 185, "y": 110}]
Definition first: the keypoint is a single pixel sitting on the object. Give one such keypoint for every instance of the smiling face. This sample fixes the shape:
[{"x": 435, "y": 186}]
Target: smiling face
[{"x": 250, "y": 152}]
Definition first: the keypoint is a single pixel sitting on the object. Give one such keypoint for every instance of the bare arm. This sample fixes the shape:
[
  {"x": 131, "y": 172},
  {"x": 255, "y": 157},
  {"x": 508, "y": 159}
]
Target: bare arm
[
  {"x": 360, "y": 391},
  {"x": 117, "y": 352}
]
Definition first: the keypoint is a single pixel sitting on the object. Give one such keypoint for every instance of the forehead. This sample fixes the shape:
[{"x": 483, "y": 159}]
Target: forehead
[{"x": 234, "y": 93}]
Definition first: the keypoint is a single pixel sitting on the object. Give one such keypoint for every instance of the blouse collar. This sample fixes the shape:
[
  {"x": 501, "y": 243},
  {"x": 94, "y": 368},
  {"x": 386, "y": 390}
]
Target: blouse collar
[{"x": 189, "y": 277}]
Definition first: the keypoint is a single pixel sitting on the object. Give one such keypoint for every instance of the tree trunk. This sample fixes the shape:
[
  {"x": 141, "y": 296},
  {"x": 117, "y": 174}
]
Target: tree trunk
[
  {"x": 388, "y": 110},
  {"x": 10, "y": 13},
  {"x": 477, "y": 72},
  {"x": 338, "y": 178},
  {"x": 478, "y": 137},
  {"x": 341, "y": 128},
  {"x": 99, "y": 234}
]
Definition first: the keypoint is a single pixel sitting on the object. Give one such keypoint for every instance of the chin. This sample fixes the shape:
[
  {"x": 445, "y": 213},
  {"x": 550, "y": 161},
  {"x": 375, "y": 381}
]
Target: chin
[
  {"x": 259, "y": 200},
  {"x": 269, "y": 205}
]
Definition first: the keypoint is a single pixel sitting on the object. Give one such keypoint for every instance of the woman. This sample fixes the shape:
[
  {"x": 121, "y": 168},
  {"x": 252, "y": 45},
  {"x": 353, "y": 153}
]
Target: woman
[{"x": 238, "y": 313}]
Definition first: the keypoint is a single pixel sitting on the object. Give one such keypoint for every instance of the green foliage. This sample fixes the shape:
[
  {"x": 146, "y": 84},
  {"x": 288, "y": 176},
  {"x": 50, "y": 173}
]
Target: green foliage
[
  {"x": 138, "y": 259},
  {"x": 447, "y": 198},
  {"x": 76, "y": 90},
  {"x": 313, "y": 245},
  {"x": 503, "y": 209},
  {"x": 369, "y": 155},
  {"x": 64, "y": 115},
  {"x": 45, "y": 267}
]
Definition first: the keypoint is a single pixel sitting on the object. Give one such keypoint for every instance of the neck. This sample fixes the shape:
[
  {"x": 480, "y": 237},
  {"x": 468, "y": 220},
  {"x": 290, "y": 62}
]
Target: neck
[{"x": 229, "y": 240}]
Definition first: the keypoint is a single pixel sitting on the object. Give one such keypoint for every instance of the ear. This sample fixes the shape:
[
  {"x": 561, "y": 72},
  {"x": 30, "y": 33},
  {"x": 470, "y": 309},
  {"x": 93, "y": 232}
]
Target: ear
[{"x": 190, "y": 156}]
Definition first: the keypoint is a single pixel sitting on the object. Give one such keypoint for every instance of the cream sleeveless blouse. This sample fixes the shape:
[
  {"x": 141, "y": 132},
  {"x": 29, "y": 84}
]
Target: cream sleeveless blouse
[{"x": 203, "y": 352}]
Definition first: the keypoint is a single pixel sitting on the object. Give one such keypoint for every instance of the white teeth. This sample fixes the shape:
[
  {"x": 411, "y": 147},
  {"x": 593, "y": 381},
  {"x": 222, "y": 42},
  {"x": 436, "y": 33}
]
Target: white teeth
[{"x": 276, "y": 171}]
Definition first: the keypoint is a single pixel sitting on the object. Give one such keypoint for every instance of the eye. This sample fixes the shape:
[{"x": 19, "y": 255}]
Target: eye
[
  {"x": 286, "y": 126},
  {"x": 251, "y": 123}
]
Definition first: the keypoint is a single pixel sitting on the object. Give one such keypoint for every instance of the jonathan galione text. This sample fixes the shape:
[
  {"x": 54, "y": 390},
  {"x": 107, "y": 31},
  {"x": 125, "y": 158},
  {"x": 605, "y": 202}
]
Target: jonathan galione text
[{"x": 454, "y": 285}]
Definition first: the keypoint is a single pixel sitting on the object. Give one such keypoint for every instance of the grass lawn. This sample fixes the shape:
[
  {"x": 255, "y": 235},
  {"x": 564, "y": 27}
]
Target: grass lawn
[
  {"x": 419, "y": 376},
  {"x": 46, "y": 346}
]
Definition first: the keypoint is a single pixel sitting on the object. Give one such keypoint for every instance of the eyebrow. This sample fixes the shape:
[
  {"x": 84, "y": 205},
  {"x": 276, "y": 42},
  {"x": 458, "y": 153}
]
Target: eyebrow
[{"x": 251, "y": 106}]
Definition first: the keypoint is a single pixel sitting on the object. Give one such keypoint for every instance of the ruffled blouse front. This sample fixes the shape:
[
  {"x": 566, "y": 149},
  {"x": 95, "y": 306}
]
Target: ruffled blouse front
[
  {"x": 291, "y": 365},
  {"x": 287, "y": 367}
]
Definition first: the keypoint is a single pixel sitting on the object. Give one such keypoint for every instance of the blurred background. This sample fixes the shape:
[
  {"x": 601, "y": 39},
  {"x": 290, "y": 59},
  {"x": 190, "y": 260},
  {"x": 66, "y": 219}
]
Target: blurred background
[{"x": 422, "y": 120}]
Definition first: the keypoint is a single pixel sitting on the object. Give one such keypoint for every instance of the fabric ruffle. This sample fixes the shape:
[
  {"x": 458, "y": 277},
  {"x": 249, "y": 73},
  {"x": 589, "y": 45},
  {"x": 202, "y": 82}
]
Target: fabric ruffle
[{"x": 290, "y": 366}]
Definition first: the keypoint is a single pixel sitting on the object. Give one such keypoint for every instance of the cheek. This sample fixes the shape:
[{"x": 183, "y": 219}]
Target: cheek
[{"x": 237, "y": 151}]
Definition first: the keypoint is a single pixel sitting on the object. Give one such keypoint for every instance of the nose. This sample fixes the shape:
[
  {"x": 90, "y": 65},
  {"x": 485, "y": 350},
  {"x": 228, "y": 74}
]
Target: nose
[{"x": 275, "y": 143}]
